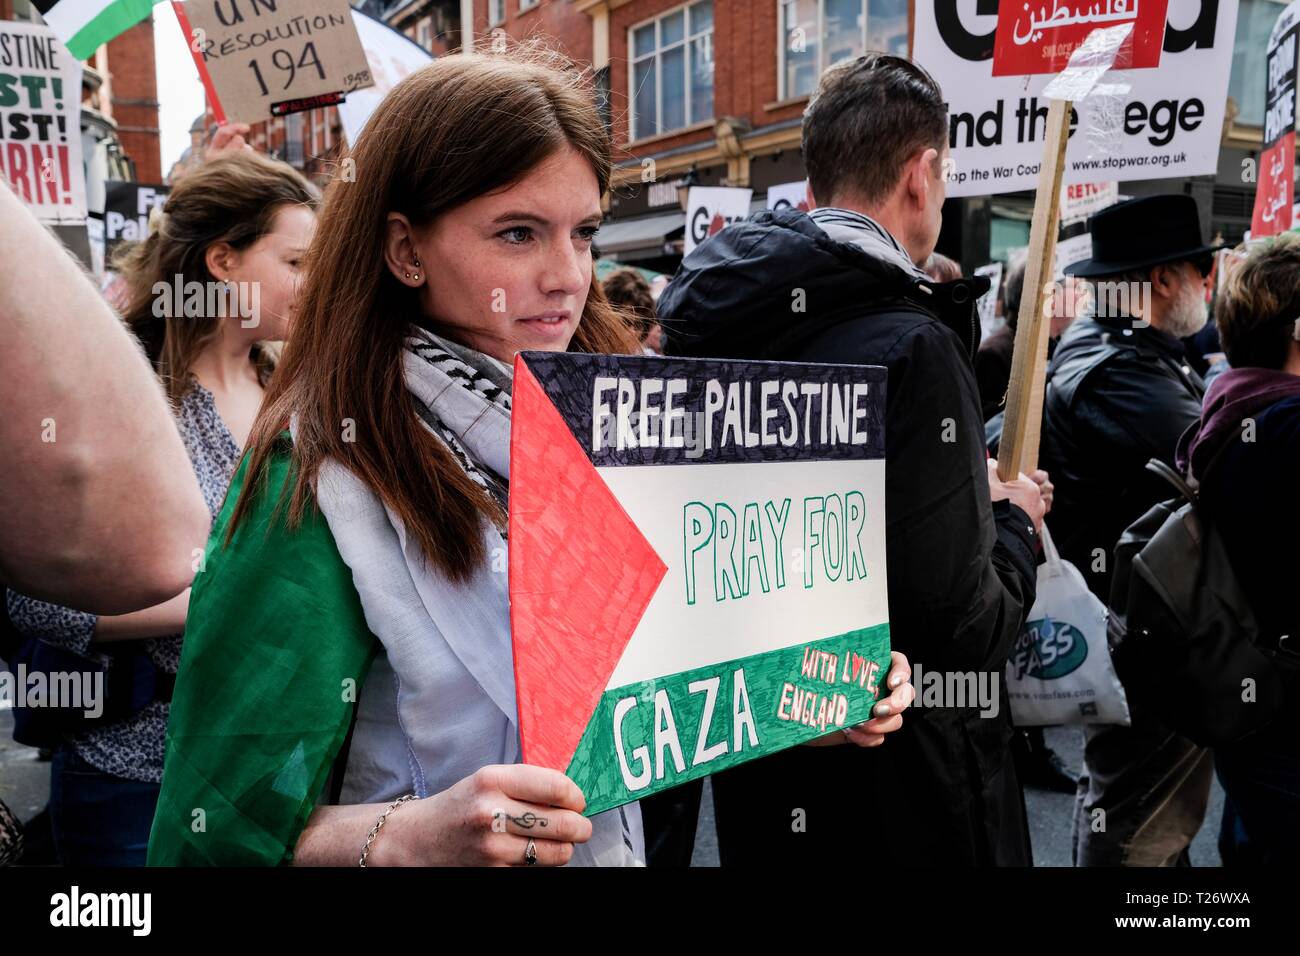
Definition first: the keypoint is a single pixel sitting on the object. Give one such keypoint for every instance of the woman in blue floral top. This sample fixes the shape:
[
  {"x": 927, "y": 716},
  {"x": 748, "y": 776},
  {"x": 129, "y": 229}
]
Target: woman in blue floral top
[{"x": 215, "y": 282}]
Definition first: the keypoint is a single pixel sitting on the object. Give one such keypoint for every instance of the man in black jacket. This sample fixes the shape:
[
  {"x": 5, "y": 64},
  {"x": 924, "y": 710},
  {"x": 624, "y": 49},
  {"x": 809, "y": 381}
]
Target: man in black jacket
[
  {"x": 842, "y": 285},
  {"x": 1120, "y": 392}
]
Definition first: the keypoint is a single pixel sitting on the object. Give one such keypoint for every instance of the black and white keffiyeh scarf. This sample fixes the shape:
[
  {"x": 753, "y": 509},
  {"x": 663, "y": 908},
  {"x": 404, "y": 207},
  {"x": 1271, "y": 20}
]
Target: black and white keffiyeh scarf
[{"x": 446, "y": 365}]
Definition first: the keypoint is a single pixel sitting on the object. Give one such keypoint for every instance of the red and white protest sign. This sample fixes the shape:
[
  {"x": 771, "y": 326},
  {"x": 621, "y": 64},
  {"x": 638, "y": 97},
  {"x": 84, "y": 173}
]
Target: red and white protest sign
[
  {"x": 40, "y": 122},
  {"x": 1081, "y": 200},
  {"x": 1275, "y": 192},
  {"x": 1036, "y": 37}
]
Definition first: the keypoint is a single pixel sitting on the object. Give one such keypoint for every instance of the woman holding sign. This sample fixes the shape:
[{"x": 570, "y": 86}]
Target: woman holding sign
[{"x": 359, "y": 564}]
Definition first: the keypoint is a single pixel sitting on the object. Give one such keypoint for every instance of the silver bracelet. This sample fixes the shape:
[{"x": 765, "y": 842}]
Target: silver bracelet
[{"x": 374, "y": 831}]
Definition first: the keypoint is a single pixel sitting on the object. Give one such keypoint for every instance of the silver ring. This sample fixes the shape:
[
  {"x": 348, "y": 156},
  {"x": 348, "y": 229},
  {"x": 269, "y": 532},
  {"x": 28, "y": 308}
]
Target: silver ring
[{"x": 530, "y": 854}]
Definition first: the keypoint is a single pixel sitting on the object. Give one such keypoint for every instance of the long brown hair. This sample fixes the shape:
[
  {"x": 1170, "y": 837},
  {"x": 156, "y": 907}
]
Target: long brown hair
[
  {"x": 232, "y": 199},
  {"x": 458, "y": 128}
]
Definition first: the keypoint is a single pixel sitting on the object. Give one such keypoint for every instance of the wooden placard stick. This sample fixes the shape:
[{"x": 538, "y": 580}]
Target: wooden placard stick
[{"x": 1018, "y": 450}]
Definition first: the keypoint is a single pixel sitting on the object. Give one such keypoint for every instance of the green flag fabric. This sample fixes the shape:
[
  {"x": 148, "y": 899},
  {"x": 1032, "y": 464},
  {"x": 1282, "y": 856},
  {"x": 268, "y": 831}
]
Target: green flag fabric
[
  {"x": 86, "y": 25},
  {"x": 276, "y": 649}
]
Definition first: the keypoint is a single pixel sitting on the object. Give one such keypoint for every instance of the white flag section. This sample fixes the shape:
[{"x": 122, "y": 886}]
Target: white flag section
[
  {"x": 1166, "y": 124},
  {"x": 710, "y": 209},
  {"x": 392, "y": 57}
]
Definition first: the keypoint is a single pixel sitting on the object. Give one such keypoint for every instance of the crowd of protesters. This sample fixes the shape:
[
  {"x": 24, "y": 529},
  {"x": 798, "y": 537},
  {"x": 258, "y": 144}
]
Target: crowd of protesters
[{"x": 339, "y": 471}]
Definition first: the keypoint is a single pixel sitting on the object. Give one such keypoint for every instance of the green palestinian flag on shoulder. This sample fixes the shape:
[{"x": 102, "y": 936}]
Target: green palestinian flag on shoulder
[
  {"x": 86, "y": 25},
  {"x": 276, "y": 650}
]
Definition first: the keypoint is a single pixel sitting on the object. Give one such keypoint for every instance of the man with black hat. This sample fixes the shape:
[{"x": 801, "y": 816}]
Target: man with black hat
[{"x": 1119, "y": 393}]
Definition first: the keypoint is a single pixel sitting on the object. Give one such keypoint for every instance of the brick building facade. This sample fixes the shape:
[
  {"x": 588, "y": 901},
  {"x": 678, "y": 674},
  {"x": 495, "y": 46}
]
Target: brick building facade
[{"x": 712, "y": 92}]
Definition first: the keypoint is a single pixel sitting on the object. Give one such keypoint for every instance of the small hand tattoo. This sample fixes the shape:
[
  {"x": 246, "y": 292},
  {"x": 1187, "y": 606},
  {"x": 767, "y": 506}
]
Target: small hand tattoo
[{"x": 525, "y": 822}]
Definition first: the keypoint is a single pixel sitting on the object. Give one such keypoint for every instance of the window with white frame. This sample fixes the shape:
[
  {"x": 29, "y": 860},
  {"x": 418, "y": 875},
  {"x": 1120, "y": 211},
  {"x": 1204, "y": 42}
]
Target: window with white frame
[
  {"x": 670, "y": 82},
  {"x": 496, "y": 12},
  {"x": 818, "y": 33}
]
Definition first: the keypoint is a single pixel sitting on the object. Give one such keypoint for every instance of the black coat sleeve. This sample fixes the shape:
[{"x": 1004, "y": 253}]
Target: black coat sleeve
[{"x": 961, "y": 580}]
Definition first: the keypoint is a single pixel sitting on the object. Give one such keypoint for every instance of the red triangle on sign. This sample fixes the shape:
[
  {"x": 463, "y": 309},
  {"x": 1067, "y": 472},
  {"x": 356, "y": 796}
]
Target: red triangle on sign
[{"x": 581, "y": 577}]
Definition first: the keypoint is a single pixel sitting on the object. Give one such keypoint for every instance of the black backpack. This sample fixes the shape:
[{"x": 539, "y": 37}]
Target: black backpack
[{"x": 1183, "y": 634}]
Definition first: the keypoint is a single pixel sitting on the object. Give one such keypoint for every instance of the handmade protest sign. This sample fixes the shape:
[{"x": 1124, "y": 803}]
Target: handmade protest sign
[
  {"x": 1166, "y": 124},
  {"x": 40, "y": 122},
  {"x": 697, "y": 562},
  {"x": 272, "y": 57},
  {"x": 710, "y": 209},
  {"x": 1275, "y": 189},
  {"x": 126, "y": 211}
]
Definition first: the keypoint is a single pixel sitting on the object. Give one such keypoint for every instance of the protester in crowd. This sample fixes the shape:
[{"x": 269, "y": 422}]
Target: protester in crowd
[
  {"x": 959, "y": 542},
  {"x": 942, "y": 269},
  {"x": 237, "y": 229},
  {"x": 1119, "y": 393},
  {"x": 629, "y": 292},
  {"x": 85, "y": 429},
  {"x": 373, "y": 527},
  {"x": 1245, "y": 453}
]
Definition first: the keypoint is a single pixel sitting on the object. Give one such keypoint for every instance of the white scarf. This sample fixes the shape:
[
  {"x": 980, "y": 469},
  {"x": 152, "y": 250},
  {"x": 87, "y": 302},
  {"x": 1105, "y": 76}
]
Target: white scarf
[{"x": 422, "y": 722}]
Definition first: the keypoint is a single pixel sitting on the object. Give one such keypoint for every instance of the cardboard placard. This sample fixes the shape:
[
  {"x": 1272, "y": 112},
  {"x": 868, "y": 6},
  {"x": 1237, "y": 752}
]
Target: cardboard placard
[
  {"x": 40, "y": 123},
  {"x": 697, "y": 562},
  {"x": 126, "y": 211},
  {"x": 710, "y": 209},
  {"x": 270, "y": 57}
]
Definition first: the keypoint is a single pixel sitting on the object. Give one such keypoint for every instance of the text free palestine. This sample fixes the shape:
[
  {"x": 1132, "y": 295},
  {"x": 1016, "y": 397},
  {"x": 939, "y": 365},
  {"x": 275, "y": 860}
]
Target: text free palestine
[{"x": 645, "y": 413}]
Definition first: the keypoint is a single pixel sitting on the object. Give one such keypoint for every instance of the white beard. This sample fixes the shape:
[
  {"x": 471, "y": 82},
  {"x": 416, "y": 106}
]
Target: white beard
[{"x": 1188, "y": 313}]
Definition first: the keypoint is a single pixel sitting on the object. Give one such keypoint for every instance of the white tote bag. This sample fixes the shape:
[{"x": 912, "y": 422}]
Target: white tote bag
[{"x": 1059, "y": 671}]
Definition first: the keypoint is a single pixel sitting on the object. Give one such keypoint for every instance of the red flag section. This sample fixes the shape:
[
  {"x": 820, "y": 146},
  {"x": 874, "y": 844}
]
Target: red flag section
[
  {"x": 571, "y": 617},
  {"x": 1039, "y": 36}
]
